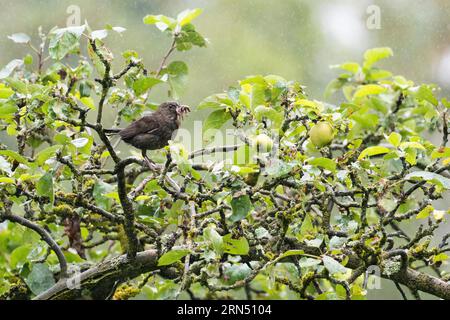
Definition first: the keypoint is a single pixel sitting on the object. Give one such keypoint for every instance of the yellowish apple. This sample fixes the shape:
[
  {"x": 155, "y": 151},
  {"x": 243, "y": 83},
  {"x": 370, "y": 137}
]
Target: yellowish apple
[
  {"x": 263, "y": 143},
  {"x": 321, "y": 134}
]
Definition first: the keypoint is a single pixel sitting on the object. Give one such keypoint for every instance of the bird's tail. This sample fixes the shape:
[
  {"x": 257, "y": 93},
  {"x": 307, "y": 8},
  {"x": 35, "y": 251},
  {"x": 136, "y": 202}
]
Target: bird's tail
[{"x": 112, "y": 132}]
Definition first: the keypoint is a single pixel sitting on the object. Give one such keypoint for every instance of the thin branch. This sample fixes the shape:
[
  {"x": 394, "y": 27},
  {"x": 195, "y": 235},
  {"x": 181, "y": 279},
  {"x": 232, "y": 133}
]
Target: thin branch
[
  {"x": 444, "y": 129},
  {"x": 45, "y": 236},
  {"x": 124, "y": 71},
  {"x": 167, "y": 55},
  {"x": 208, "y": 151},
  {"x": 106, "y": 82},
  {"x": 187, "y": 260}
]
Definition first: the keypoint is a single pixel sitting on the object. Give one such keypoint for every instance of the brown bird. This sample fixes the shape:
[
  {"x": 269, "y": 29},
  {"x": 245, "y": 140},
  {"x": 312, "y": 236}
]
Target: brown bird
[{"x": 154, "y": 131}]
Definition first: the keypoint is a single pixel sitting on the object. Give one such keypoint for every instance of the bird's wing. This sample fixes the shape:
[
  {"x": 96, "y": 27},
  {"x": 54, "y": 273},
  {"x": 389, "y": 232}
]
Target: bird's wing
[{"x": 147, "y": 124}]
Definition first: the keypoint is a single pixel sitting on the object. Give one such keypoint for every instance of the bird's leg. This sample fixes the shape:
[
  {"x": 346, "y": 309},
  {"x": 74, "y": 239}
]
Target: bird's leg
[{"x": 150, "y": 163}]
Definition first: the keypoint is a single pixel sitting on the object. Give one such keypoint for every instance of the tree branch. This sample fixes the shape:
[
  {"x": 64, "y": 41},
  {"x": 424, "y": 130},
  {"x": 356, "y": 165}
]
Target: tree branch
[
  {"x": 44, "y": 235},
  {"x": 96, "y": 283}
]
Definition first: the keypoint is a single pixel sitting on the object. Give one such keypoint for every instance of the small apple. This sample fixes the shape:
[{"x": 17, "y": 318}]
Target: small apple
[
  {"x": 321, "y": 134},
  {"x": 263, "y": 143}
]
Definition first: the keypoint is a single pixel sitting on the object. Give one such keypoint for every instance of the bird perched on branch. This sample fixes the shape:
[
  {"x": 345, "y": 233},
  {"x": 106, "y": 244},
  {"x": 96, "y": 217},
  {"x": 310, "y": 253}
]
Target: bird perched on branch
[{"x": 154, "y": 131}]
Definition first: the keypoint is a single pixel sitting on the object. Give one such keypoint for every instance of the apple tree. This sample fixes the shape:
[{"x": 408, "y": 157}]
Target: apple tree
[{"x": 311, "y": 199}]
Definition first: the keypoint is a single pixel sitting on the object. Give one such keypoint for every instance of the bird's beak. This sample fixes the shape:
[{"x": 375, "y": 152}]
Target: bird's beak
[{"x": 183, "y": 110}]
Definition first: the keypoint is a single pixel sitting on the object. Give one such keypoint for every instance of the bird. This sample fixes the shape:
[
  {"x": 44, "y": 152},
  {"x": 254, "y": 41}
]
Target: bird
[{"x": 153, "y": 132}]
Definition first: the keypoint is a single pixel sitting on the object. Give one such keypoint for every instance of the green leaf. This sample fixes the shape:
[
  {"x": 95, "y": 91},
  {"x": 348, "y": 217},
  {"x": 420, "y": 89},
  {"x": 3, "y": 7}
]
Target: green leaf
[
  {"x": 395, "y": 139},
  {"x": 73, "y": 257},
  {"x": 15, "y": 156},
  {"x": 99, "y": 34},
  {"x": 88, "y": 102},
  {"x": 205, "y": 104},
  {"x": 446, "y": 103},
  {"x": 5, "y": 166},
  {"x": 258, "y": 95},
  {"x": 40, "y": 279},
  {"x": 306, "y": 262},
  {"x": 307, "y": 228},
  {"x": 80, "y": 143},
  {"x": 365, "y": 119},
  {"x": 7, "y": 180},
  {"x": 237, "y": 272},
  {"x": 236, "y": 246},
  {"x": 241, "y": 208},
  {"x": 440, "y": 258},
  {"x": 172, "y": 256},
  {"x": 429, "y": 177},
  {"x": 17, "y": 85},
  {"x": 333, "y": 266},
  {"x": 19, "y": 256},
  {"x": 412, "y": 144},
  {"x": 351, "y": 67},
  {"x": 215, "y": 238},
  {"x": 8, "y": 110},
  {"x": 188, "y": 38},
  {"x": 373, "y": 151},
  {"x": 332, "y": 87},
  {"x": 161, "y": 22},
  {"x": 64, "y": 41},
  {"x": 325, "y": 163},
  {"x": 187, "y": 16},
  {"x": 411, "y": 156},
  {"x": 276, "y": 117},
  {"x": 291, "y": 253},
  {"x": 438, "y": 153},
  {"x": 425, "y": 212},
  {"x": 10, "y": 67},
  {"x": 424, "y": 93},
  {"x": 5, "y": 92},
  {"x": 117, "y": 29},
  {"x": 368, "y": 89},
  {"x": 379, "y": 74},
  {"x": 44, "y": 187},
  {"x": 374, "y": 55},
  {"x": 46, "y": 154},
  {"x": 100, "y": 190},
  {"x": 20, "y": 38},
  {"x": 262, "y": 233},
  {"x": 178, "y": 75},
  {"x": 216, "y": 120},
  {"x": 144, "y": 84}
]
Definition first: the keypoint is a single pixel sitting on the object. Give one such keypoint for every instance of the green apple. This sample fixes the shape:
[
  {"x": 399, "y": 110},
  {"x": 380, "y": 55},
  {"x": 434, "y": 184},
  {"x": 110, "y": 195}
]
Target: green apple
[
  {"x": 321, "y": 134},
  {"x": 264, "y": 143}
]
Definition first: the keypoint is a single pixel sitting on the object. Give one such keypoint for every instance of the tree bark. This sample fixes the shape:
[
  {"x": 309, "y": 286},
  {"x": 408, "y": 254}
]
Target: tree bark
[{"x": 99, "y": 282}]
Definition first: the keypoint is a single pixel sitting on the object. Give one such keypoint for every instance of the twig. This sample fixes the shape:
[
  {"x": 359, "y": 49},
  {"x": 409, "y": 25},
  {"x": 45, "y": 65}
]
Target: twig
[
  {"x": 164, "y": 60},
  {"x": 208, "y": 151},
  {"x": 187, "y": 259},
  {"x": 45, "y": 236},
  {"x": 444, "y": 130},
  {"x": 106, "y": 82}
]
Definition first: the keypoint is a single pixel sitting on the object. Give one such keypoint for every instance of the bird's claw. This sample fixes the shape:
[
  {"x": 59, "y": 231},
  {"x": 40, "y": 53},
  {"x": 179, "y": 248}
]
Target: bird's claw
[{"x": 151, "y": 165}]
